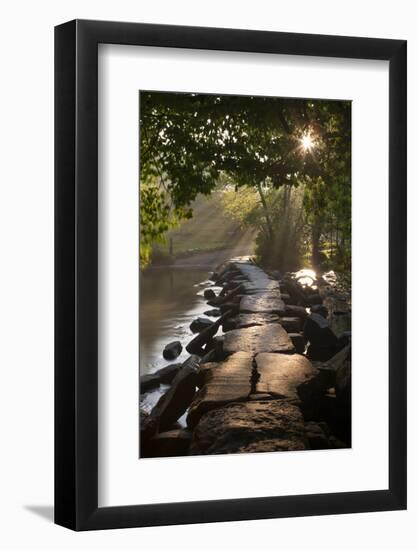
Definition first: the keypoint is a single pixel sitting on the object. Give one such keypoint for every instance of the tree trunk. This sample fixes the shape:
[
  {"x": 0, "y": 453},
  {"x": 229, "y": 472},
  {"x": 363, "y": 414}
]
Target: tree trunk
[
  {"x": 315, "y": 247},
  {"x": 266, "y": 211}
]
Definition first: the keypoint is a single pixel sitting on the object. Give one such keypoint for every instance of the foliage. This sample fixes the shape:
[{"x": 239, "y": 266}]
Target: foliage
[{"x": 257, "y": 145}]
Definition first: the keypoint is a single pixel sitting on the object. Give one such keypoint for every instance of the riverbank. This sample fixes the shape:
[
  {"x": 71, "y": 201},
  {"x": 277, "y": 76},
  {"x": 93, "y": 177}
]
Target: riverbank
[{"x": 278, "y": 378}]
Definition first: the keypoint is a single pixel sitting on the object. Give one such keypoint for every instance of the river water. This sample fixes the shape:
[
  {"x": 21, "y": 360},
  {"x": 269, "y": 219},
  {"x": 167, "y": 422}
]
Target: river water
[{"x": 170, "y": 299}]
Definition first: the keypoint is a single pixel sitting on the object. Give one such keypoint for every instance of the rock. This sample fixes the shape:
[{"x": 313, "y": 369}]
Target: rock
[
  {"x": 162, "y": 376},
  {"x": 343, "y": 378},
  {"x": 251, "y": 427},
  {"x": 345, "y": 338},
  {"x": 167, "y": 374},
  {"x": 286, "y": 298},
  {"x": 266, "y": 338},
  {"x": 149, "y": 382},
  {"x": 295, "y": 291},
  {"x": 317, "y": 436},
  {"x": 170, "y": 443},
  {"x": 147, "y": 427},
  {"x": 172, "y": 350},
  {"x": 177, "y": 399},
  {"x": 260, "y": 396},
  {"x": 213, "y": 312},
  {"x": 314, "y": 299},
  {"x": 338, "y": 360},
  {"x": 218, "y": 343},
  {"x": 208, "y": 357},
  {"x": 335, "y": 443},
  {"x": 283, "y": 375},
  {"x": 209, "y": 294},
  {"x": 229, "y": 381},
  {"x": 219, "y": 300},
  {"x": 197, "y": 343},
  {"x": 291, "y": 324},
  {"x": 265, "y": 285},
  {"x": 298, "y": 341},
  {"x": 200, "y": 324},
  {"x": 262, "y": 303},
  {"x": 296, "y": 311},
  {"x": 322, "y": 353},
  {"x": 233, "y": 307},
  {"x": 317, "y": 331},
  {"x": 320, "y": 309},
  {"x": 276, "y": 275},
  {"x": 338, "y": 417},
  {"x": 244, "y": 320},
  {"x": 205, "y": 368}
]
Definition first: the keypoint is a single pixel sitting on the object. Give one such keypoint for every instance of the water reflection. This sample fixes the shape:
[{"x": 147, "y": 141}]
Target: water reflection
[{"x": 170, "y": 298}]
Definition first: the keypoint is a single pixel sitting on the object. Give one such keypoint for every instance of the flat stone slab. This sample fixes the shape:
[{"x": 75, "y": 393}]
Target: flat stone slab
[
  {"x": 244, "y": 320},
  {"x": 267, "y": 338},
  {"x": 260, "y": 286},
  {"x": 268, "y": 302},
  {"x": 251, "y": 427},
  {"x": 223, "y": 383},
  {"x": 281, "y": 375}
]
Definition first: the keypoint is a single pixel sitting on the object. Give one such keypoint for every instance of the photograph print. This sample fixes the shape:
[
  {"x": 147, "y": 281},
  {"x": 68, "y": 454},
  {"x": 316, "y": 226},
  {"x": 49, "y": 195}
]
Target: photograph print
[{"x": 245, "y": 274}]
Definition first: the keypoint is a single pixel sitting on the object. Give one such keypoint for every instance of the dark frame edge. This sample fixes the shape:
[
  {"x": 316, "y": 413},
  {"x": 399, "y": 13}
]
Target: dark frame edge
[
  {"x": 398, "y": 273},
  {"x": 65, "y": 258}
]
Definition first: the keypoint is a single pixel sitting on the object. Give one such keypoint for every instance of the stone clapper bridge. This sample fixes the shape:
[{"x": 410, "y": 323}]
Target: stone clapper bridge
[{"x": 257, "y": 392}]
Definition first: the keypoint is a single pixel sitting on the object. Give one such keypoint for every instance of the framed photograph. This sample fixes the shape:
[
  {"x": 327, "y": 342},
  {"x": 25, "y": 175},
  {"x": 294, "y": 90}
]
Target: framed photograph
[{"x": 230, "y": 275}]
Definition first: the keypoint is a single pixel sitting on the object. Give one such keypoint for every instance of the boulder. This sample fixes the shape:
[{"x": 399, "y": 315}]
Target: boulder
[
  {"x": 317, "y": 331},
  {"x": 295, "y": 290},
  {"x": 209, "y": 294},
  {"x": 162, "y": 376},
  {"x": 250, "y": 427},
  {"x": 196, "y": 344},
  {"x": 208, "y": 357},
  {"x": 291, "y": 324},
  {"x": 296, "y": 311},
  {"x": 345, "y": 338},
  {"x": 314, "y": 299},
  {"x": 167, "y": 374},
  {"x": 277, "y": 275},
  {"x": 200, "y": 324},
  {"x": 228, "y": 381},
  {"x": 267, "y": 338},
  {"x": 298, "y": 342},
  {"x": 177, "y": 399},
  {"x": 343, "y": 378},
  {"x": 320, "y": 309},
  {"x": 322, "y": 353},
  {"x": 172, "y": 350},
  {"x": 286, "y": 298},
  {"x": 213, "y": 312},
  {"x": 147, "y": 428},
  {"x": 149, "y": 382},
  {"x": 170, "y": 443},
  {"x": 317, "y": 435}
]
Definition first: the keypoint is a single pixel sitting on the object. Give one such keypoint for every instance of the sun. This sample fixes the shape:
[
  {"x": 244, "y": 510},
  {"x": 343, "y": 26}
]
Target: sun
[{"x": 307, "y": 142}]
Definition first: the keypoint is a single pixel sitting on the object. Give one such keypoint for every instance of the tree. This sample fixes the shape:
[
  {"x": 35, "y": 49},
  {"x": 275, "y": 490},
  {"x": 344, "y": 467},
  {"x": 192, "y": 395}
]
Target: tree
[{"x": 191, "y": 141}]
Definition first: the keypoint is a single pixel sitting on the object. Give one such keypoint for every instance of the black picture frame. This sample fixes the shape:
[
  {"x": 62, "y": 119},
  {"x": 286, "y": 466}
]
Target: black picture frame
[{"x": 76, "y": 271}]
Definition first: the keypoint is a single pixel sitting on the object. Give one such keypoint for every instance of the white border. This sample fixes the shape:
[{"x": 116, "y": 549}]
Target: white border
[{"x": 123, "y": 479}]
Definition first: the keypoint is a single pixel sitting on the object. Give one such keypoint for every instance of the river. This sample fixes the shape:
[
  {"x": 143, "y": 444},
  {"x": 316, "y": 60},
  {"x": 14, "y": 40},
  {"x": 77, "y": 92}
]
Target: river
[{"x": 170, "y": 299}]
